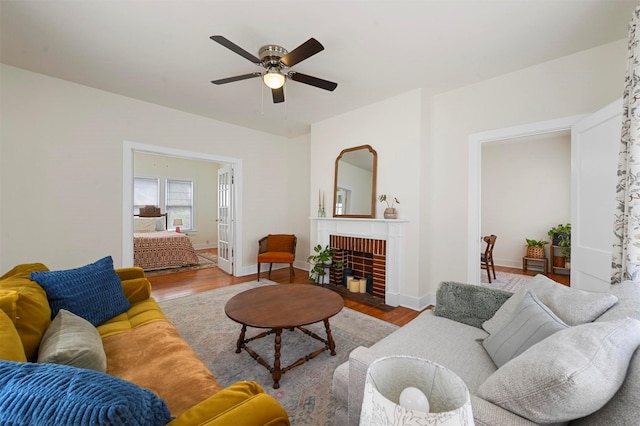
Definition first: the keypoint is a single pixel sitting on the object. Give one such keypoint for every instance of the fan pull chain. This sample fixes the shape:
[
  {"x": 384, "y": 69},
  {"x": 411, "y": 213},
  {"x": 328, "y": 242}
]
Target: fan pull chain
[
  {"x": 284, "y": 89},
  {"x": 262, "y": 95}
]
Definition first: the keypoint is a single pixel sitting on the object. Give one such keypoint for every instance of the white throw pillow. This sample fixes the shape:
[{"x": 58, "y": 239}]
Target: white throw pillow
[
  {"x": 570, "y": 305},
  {"x": 532, "y": 322},
  {"x": 569, "y": 375}
]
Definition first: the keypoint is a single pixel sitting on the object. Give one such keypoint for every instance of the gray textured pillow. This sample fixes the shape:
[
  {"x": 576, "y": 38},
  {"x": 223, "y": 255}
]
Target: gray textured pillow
[
  {"x": 570, "y": 305},
  {"x": 532, "y": 322},
  {"x": 72, "y": 340},
  {"x": 468, "y": 304},
  {"x": 568, "y": 375}
]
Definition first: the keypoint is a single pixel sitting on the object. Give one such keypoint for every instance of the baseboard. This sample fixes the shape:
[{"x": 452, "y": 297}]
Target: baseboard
[
  {"x": 204, "y": 246},
  {"x": 415, "y": 303}
]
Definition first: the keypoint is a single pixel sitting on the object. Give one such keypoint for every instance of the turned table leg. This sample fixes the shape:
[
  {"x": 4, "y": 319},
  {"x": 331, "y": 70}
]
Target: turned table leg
[
  {"x": 332, "y": 344},
  {"x": 240, "y": 342},
  {"x": 277, "y": 372}
]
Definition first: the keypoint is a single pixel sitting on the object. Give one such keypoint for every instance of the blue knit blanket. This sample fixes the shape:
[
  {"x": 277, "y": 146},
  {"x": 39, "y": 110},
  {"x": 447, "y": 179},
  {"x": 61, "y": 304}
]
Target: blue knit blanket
[{"x": 49, "y": 394}]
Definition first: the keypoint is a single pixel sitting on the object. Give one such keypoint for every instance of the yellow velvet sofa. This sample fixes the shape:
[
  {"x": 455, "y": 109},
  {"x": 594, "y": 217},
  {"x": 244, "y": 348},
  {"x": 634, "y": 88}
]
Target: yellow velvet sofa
[{"x": 141, "y": 347}]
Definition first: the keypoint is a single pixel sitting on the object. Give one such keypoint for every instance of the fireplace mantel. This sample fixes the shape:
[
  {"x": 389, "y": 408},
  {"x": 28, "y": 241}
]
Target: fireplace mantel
[{"x": 392, "y": 231}]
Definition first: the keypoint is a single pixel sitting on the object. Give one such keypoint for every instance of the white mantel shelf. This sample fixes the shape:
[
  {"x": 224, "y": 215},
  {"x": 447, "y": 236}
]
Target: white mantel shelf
[{"x": 390, "y": 230}]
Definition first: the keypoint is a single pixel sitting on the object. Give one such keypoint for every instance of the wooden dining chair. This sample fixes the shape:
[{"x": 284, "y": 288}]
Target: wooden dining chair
[
  {"x": 277, "y": 248},
  {"x": 486, "y": 258}
]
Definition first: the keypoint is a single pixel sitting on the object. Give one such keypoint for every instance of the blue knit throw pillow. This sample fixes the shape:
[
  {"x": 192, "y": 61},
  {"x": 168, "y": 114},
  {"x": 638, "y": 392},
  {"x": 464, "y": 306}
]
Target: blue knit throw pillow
[
  {"x": 93, "y": 292},
  {"x": 50, "y": 394}
]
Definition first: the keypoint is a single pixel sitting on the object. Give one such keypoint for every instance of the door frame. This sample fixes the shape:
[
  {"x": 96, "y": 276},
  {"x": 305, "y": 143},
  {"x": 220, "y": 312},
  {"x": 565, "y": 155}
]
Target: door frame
[
  {"x": 128, "y": 150},
  {"x": 474, "y": 185}
]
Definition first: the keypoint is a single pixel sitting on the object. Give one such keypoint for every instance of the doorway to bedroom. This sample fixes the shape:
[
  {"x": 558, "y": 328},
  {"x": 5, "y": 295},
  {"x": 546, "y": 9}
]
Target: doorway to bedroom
[{"x": 214, "y": 204}]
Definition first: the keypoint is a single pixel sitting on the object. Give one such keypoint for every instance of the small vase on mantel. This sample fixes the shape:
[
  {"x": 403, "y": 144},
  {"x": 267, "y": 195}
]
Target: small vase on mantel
[{"x": 390, "y": 213}]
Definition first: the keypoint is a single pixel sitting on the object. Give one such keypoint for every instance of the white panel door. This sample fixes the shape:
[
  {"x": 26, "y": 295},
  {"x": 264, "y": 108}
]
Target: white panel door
[
  {"x": 595, "y": 142},
  {"x": 225, "y": 219}
]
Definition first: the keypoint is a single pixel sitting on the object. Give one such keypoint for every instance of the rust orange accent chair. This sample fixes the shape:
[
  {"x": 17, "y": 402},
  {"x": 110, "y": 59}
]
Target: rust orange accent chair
[{"x": 277, "y": 248}]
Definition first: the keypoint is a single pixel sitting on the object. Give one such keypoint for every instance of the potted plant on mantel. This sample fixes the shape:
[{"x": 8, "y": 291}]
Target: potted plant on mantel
[
  {"x": 321, "y": 261},
  {"x": 561, "y": 237},
  {"x": 390, "y": 212},
  {"x": 535, "y": 248}
]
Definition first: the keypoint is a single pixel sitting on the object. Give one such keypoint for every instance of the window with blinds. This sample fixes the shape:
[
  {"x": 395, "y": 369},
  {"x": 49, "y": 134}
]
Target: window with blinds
[
  {"x": 179, "y": 203},
  {"x": 146, "y": 192}
]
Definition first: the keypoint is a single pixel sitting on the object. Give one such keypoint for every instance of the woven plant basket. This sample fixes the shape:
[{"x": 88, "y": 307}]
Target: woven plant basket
[{"x": 535, "y": 252}]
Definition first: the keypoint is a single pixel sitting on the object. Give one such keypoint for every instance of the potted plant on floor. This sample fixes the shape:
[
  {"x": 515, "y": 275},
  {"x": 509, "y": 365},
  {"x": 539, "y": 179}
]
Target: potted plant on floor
[
  {"x": 561, "y": 237},
  {"x": 535, "y": 248},
  {"x": 321, "y": 261}
]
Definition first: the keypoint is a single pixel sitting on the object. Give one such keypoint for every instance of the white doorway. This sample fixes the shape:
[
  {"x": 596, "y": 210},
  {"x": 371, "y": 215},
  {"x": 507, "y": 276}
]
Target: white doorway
[
  {"x": 476, "y": 141},
  {"x": 525, "y": 190},
  {"x": 129, "y": 148}
]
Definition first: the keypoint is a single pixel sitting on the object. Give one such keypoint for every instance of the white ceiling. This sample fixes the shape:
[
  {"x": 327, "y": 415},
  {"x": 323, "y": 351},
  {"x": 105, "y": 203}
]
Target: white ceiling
[{"x": 160, "y": 51}]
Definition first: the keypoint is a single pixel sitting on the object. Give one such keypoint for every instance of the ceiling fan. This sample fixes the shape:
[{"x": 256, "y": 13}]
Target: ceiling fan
[{"x": 276, "y": 60}]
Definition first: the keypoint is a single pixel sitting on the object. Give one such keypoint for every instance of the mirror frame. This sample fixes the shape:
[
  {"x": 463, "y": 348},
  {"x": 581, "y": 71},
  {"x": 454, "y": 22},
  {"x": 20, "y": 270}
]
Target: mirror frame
[{"x": 372, "y": 215}]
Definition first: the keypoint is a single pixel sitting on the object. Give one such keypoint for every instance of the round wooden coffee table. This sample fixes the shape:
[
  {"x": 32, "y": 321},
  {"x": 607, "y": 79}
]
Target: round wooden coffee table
[{"x": 276, "y": 307}]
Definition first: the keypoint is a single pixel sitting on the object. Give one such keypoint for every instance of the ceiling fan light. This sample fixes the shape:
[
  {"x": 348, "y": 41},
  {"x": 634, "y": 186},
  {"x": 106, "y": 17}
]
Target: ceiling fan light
[{"x": 273, "y": 79}]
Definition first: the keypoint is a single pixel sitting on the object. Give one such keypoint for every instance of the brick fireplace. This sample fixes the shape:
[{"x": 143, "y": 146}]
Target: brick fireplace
[
  {"x": 372, "y": 246},
  {"x": 366, "y": 258}
]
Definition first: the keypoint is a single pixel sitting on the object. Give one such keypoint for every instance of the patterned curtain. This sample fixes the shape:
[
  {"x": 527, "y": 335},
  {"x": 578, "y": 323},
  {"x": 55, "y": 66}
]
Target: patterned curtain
[{"x": 626, "y": 247}]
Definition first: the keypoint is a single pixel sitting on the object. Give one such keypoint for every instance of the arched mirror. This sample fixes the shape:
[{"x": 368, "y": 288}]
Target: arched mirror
[{"x": 354, "y": 190}]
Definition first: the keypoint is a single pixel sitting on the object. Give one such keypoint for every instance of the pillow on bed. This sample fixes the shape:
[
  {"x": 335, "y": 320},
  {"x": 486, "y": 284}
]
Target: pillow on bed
[
  {"x": 144, "y": 224},
  {"x": 161, "y": 224}
]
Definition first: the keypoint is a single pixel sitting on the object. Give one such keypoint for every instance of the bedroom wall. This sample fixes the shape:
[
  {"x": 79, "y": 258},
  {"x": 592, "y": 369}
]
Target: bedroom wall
[
  {"x": 526, "y": 189},
  {"x": 204, "y": 175},
  {"x": 61, "y": 170}
]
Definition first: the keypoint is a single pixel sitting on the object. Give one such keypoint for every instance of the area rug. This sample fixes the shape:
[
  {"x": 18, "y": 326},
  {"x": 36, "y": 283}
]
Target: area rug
[
  {"x": 205, "y": 260},
  {"x": 504, "y": 280},
  {"x": 305, "y": 391}
]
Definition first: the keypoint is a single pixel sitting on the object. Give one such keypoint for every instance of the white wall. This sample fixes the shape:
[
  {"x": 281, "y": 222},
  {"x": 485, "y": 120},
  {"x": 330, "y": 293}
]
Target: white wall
[
  {"x": 422, "y": 145},
  {"x": 61, "y": 170},
  {"x": 393, "y": 128},
  {"x": 61, "y": 164},
  {"x": 576, "y": 84},
  {"x": 526, "y": 189},
  {"x": 203, "y": 174}
]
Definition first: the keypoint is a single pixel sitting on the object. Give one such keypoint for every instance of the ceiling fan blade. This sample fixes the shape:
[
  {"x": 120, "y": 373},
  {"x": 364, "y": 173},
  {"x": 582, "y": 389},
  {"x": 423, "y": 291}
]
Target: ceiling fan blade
[
  {"x": 236, "y": 78},
  {"x": 278, "y": 95},
  {"x": 313, "y": 81},
  {"x": 237, "y": 49},
  {"x": 302, "y": 52}
]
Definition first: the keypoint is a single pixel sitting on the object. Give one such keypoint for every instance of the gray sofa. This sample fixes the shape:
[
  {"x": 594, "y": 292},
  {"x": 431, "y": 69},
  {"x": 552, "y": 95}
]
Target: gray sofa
[{"x": 452, "y": 336}]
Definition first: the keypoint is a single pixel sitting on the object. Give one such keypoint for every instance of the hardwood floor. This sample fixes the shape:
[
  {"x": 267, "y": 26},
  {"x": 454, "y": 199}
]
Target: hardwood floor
[
  {"x": 171, "y": 286},
  {"x": 562, "y": 279}
]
